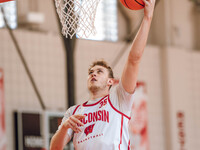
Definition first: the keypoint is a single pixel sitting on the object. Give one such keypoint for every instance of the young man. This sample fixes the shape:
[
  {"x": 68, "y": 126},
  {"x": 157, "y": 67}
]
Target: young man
[{"x": 102, "y": 122}]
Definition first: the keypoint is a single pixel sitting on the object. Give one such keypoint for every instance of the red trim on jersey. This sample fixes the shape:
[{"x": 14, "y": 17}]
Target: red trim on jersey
[
  {"x": 75, "y": 109},
  {"x": 86, "y": 105},
  {"x": 129, "y": 142},
  {"x": 117, "y": 110},
  {"x": 122, "y": 120}
]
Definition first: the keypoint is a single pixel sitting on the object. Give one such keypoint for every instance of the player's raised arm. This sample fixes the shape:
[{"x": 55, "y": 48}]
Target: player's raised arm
[{"x": 130, "y": 72}]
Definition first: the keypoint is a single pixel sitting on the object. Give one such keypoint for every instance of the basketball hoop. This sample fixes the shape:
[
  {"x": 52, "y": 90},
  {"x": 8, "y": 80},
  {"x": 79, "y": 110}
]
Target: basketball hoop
[{"x": 77, "y": 17}]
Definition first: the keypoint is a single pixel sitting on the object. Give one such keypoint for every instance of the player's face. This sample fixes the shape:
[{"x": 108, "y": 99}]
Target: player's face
[{"x": 98, "y": 78}]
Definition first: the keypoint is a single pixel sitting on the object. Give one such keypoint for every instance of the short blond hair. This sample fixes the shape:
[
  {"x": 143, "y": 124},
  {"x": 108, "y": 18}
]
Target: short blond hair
[{"x": 103, "y": 64}]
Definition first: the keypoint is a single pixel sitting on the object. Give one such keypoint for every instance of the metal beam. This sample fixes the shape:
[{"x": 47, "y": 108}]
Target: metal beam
[{"x": 24, "y": 62}]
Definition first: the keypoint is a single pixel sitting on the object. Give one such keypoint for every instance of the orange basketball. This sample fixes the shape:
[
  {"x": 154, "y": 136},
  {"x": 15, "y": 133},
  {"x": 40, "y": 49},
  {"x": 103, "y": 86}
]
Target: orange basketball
[{"x": 133, "y": 4}]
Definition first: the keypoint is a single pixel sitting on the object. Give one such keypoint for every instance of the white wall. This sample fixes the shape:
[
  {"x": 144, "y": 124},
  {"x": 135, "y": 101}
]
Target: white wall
[
  {"x": 184, "y": 83},
  {"x": 45, "y": 57}
]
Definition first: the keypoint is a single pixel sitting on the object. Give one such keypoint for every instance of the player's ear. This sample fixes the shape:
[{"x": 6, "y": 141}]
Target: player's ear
[{"x": 110, "y": 81}]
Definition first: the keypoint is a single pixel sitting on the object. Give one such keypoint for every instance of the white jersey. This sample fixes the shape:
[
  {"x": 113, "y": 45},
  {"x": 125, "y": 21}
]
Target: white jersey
[{"x": 105, "y": 126}]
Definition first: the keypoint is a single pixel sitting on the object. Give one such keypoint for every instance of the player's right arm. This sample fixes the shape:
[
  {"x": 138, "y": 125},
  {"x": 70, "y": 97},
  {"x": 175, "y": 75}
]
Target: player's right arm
[
  {"x": 131, "y": 69},
  {"x": 61, "y": 137}
]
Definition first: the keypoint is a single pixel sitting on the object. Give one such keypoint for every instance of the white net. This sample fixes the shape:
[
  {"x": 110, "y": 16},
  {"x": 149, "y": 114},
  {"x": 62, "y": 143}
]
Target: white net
[{"x": 77, "y": 17}]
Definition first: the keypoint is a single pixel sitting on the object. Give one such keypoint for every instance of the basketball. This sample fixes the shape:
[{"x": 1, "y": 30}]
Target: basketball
[{"x": 133, "y": 4}]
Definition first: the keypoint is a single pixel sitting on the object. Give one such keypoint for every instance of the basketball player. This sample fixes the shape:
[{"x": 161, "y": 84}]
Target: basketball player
[{"x": 102, "y": 122}]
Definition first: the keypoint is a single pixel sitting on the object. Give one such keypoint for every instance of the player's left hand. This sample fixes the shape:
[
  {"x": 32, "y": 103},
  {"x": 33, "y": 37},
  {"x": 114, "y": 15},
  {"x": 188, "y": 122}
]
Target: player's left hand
[{"x": 149, "y": 8}]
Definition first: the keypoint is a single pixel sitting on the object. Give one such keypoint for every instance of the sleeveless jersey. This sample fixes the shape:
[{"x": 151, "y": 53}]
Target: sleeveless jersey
[{"x": 105, "y": 127}]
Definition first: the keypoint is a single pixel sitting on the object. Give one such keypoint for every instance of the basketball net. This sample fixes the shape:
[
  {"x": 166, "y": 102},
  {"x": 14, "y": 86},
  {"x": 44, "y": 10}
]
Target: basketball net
[{"x": 77, "y": 17}]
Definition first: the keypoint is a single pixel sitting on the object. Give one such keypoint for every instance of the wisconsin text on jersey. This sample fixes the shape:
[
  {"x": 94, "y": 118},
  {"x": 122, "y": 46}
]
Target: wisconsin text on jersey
[
  {"x": 101, "y": 115},
  {"x": 93, "y": 117}
]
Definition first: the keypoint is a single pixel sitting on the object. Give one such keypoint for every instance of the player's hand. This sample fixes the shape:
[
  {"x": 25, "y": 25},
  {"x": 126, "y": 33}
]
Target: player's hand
[
  {"x": 149, "y": 8},
  {"x": 74, "y": 122}
]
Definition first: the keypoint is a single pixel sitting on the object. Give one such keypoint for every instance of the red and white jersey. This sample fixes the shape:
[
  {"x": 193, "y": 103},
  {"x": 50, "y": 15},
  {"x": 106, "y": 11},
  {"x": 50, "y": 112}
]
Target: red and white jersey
[{"x": 105, "y": 125}]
